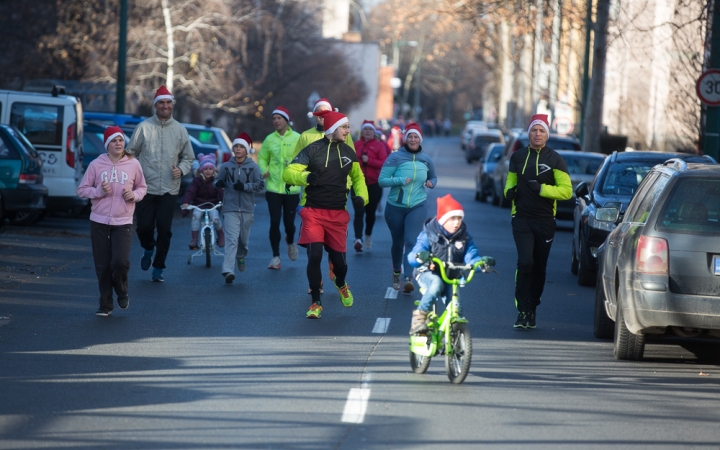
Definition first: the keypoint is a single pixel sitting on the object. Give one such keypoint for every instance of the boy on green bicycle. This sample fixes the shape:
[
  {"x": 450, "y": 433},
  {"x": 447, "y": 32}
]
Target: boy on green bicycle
[{"x": 445, "y": 237}]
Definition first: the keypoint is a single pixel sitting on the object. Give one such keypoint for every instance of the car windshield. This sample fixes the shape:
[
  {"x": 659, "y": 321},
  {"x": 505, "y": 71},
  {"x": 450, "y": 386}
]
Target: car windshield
[
  {"x": 692, "y": 207},
  {"x": 554, "y": 143},
  {"x": 582, "y": 164},
  {"x": 623, "y": 178},
  {"x": 483, "y": 141},
  {"x": 495, "y": 152}
]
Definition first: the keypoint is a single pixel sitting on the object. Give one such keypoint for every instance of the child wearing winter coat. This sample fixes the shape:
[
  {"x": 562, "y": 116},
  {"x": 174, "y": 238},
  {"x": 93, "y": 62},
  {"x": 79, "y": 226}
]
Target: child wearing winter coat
[
  {"x": 241, "y": 178},
  {"x": 202, "y": 190},
  {"x": 113, "y": 182}
]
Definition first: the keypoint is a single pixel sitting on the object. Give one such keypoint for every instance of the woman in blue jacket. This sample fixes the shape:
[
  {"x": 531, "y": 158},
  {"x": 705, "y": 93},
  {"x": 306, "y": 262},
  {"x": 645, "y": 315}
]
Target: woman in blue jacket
[{"x": 407, "y": 173}]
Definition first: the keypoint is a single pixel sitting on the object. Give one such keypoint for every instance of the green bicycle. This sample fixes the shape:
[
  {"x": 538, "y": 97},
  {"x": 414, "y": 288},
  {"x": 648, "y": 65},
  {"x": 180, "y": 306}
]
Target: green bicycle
[{"x": 449, "y": 333}]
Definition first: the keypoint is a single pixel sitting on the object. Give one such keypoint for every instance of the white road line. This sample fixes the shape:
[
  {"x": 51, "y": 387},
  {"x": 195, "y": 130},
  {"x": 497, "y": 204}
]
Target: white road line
[
  {"x": 391, "y": 293},
  {"x": 381, "y": 325},
  {"x": 356, "y": 404}
]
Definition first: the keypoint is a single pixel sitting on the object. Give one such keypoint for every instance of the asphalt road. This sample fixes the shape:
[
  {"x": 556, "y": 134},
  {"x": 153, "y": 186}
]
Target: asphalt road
[{"x": 194, "y": 363}]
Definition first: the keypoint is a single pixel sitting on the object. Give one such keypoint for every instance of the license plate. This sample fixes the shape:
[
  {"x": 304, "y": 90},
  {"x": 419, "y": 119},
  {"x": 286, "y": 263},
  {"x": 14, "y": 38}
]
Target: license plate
[{"x": 716, "y": 264}]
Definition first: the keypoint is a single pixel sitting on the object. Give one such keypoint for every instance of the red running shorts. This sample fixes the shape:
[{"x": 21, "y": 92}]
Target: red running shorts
[{"x": 329, "y": 226}]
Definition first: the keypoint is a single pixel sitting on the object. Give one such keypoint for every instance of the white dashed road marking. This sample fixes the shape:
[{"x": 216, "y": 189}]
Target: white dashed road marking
[
  {"x": 391, "y": 293},
  {"x": 381, "y": 325},
  {"x": 356, "y": 404}
]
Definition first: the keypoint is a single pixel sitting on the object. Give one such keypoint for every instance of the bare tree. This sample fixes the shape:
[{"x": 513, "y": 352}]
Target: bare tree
[{"x": 594, "y": 107}]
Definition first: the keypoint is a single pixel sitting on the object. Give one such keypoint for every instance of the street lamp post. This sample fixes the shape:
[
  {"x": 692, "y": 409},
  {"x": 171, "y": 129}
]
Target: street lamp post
[{"x": 122, "y": 58}]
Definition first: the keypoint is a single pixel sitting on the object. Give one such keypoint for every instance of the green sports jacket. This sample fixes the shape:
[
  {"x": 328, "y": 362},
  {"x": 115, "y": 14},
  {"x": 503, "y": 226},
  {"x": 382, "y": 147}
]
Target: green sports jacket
[{"x": 274, "y": 156}]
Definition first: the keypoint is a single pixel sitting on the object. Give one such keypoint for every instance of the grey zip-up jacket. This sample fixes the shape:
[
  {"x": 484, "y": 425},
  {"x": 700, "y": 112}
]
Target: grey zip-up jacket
[
  {"x": 248, "y": 173},
  {"x": 158, "y": 146}
]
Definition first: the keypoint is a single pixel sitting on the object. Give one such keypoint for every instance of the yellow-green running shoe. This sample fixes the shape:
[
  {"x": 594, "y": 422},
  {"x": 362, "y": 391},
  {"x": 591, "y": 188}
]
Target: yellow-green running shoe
[
  {"x": 314, "y": 311},
  {"x": 346, "y": 296}
]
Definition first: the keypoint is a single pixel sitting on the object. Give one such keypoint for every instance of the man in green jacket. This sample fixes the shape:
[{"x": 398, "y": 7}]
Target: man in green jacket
[
  {"x": 275, "y": 154},
  {"x": 162, "y": 146},
  {"x": 537, "y": 178}
]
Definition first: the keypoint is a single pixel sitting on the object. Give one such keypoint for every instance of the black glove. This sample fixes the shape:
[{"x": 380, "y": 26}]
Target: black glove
[
  {"x": 510, "y": 194},
  {"x": 423, "y": 256},
  {"x": 488, "y": 261},
  {"x": 312, "y": 178},
  {"x": 220, "y": 184},
  {"x": 358, "y": 202},
  {"x": 534, "y": 186},
  {"x": 239, "y": 186}
]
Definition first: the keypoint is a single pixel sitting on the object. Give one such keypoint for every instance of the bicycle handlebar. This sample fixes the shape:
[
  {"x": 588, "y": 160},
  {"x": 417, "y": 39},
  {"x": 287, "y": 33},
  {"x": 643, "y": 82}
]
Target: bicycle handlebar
[
  {"x": 444, "y": 265},
  {"x": 189, "y": 207}
]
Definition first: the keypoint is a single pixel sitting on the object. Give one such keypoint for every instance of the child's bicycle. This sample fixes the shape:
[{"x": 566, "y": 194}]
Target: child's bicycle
[
  {"x": 449, "y": 333},
  {"x": 208, "y": 237}
]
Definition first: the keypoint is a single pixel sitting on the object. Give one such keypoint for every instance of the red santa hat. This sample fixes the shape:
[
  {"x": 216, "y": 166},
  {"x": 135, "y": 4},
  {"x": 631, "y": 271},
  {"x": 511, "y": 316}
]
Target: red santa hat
[
  {"x": 322, "y": 102},
  {"x": 333, "y": 120},
  {"x": 540, "y": 119},
  {"x": 162, "y": 94},
  {"x": 413, "y": 128},
  {"x": 367, "y": 124},
  {"x": 282, "y": 111},
  {"x": 448, "y": 207},
  {"x": 111, "y": 133},
  {"x": 244, "y": 140}
]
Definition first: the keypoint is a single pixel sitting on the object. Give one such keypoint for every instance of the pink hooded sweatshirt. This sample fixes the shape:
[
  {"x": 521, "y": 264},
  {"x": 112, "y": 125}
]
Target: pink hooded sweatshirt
[{"x": 112, "y": 209}]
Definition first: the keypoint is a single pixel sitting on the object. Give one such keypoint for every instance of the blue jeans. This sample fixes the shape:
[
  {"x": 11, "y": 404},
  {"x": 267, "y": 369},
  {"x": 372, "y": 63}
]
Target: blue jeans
[
  {"x": 434, "y": 287},
  {"x": 405, "y": 225}
]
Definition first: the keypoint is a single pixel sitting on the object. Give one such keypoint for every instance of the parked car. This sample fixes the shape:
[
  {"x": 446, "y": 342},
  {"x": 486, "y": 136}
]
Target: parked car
[
  {"x": 484, "y": 170},
  {"x": 582, "y": 167},
  {"x": 479, "y": 142},
  {"x": 53, "y": 123},
  {"x": 614, "y": 185},
  {"x": 659, "y": 269},
  {"x": 499, "y": 176},
  {"x": 212, "y": 136},
  {"x": 113, "y": 118},
  {"x": 93, "y": 139},
  {"x": 470, "y": 126},
  {"x": 23, "y": 196}
]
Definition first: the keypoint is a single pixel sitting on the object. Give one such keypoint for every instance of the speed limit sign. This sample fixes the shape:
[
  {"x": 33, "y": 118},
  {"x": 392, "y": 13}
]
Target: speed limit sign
[{"x": 708, "y": 87}]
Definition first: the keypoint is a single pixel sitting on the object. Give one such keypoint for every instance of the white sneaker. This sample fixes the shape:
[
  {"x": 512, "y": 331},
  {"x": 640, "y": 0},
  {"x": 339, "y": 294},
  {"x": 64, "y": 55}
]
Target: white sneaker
[
  {"x": 292, "y": 252},
  {"x": 274, "y": 263},
  {"x": 358, "y": 245},
  {"x": 368, "y": 242}
]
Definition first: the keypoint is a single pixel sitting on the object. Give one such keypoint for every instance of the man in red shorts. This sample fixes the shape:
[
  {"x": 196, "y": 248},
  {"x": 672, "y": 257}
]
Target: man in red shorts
[{"x": 323, "y": 168}]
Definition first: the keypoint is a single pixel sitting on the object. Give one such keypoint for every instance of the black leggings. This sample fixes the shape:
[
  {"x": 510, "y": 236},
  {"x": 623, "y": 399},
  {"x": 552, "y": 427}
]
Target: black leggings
[
  {"x": 281, "y": 206},
  {"x": 155, "y": 212},
  {"x": 314, "y": 270},
  {"x": 533, "y": 239},
  {"x": 374, "y": 196}
]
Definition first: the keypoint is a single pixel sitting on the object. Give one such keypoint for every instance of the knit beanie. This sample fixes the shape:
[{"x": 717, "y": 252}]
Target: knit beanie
[{"x": 206, "y": 161}]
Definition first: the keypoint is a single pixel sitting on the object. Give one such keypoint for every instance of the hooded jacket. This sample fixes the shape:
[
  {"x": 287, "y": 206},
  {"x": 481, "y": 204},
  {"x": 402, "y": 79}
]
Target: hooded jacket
[
  {"x": 547, "y": 168},
  {"x": 158, "y": 146},
  {"x": 458, "y": 248},
  {"x": 248, "y": 173},
  {"x": 274, "y": 156},
  {"x": 377, "y": 152},
  {"x": 202, "y": 190},
  {"x": 335, "y": 162},
  {"x": 112, "y": 208},
  {"x": 404, "y": 164}
]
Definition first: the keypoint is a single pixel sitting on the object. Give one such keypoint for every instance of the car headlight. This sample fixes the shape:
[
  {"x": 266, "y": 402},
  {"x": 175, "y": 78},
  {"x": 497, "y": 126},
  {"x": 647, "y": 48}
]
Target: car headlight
[{"x": 600, "y": 225}]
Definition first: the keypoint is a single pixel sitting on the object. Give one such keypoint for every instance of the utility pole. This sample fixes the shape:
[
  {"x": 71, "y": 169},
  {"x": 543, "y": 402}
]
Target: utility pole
[
  {"x": 712, "y": 114},
  {"x": 537, "y": 56},
  {"x": 586, "y": 68},
  {"x": 122, "y": 58}
]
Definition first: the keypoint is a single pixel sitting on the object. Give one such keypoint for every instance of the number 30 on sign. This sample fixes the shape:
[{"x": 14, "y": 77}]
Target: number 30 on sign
[{"x": 708, "y": 87}]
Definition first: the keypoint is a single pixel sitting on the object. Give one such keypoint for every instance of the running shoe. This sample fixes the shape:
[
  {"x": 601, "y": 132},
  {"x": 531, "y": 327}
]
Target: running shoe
[
  {"x": 229, "y": 277},
  {"x": 531, "y": 319},
  {"x": 346, "y": 296},
  {"x": 103, "y": 312},
  {"x": 292, "y": 252},
  {"x": 146, "y": 260},
  {"x": 368, "y": 242},
  {"x": 522, "y": 321},
  {"x": 157, "y": 275},
  {"x": 396, "y": 281},
  {"x": 322, "y": 291},
  {"x": 314, "y": 312},
  {"x": 408, "y": 286},
  {"x": 274, "y": 263},
  {"x": 358, "y": 245},
  {"x": 241, "y": 264},
  {"x": 123, "y": 302}
]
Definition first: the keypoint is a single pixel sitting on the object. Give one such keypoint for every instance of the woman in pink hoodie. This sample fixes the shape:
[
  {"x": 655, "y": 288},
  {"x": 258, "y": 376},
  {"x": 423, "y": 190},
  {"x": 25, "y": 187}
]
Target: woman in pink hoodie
[{"x": 113, "y": 182}]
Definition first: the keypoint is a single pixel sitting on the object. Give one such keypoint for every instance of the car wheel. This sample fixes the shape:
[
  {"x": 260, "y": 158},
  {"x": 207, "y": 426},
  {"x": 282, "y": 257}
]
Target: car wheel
[
  {"x": 573, "y": 260},
  {"x": 627, "y": 346},
  {"x": 586, "y": 276},
  {"x": 478, "y": 196},
  {"x": 603, "y": 326},
  {"x": 26, "y": 218}
]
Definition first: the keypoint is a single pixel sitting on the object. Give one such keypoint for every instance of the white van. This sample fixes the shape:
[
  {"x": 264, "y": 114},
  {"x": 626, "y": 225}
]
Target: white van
[{"x": 53, "y": 123}]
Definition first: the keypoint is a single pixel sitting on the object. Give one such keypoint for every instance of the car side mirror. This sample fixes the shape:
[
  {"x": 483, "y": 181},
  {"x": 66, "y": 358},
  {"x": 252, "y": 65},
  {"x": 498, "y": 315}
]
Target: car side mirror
[
  {"x": 581, "y": 190},
  {"x": 607, "y": 214}
]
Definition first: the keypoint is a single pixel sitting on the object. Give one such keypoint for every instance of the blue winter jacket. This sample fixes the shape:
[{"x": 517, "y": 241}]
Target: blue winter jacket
[{"x": 405, "y": 164}]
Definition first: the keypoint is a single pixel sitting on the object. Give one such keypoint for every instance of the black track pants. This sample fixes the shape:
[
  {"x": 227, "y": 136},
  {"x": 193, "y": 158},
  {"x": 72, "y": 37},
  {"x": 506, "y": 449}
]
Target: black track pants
[
  {"x": 281, "y": 206},
  {"x": 374, "y": 196},
  {"x": 533, "y": 239},
  {"x": 314, "y": 271},
  {"x": 111, "y": 253},
  {"x": 156, "y": 212}
]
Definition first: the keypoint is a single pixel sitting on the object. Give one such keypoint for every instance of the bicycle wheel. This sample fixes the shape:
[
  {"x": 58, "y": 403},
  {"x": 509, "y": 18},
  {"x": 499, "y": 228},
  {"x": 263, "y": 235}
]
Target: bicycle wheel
[
  {"x": 419, "y": 363},
  {"x": 457, "y": 364},
  {"x": 208, "y": 248}
]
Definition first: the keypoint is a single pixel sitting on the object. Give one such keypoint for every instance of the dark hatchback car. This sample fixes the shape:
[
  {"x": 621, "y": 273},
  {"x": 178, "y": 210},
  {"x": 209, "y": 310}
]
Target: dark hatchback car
[
  {"x": 499, "y": 175},
  {"x": 614, "y": 185},
  {"x": 582, "y": 167},
  {"x": 659, "y": 269},
  {"x": 22, "y": 195},
  {"x": 479, "y": 143},
  {"x": 484, "y": 170}
]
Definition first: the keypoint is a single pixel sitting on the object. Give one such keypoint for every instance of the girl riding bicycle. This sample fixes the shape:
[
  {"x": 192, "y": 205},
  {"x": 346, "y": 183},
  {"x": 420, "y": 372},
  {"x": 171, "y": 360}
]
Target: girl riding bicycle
[
  {"x": 202, "y": 191},
  {"x": 445, "y": 237}
]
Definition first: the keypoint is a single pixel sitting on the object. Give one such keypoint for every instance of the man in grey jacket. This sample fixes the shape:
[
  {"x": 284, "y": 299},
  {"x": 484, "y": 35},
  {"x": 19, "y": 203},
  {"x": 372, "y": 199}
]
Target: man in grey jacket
[{"x": 162, "y": 146}]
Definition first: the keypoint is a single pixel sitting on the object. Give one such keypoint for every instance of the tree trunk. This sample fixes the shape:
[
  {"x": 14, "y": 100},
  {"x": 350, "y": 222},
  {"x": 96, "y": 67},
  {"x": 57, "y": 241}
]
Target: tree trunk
[
  {"x": 171, "y": 46},
  {"x": 594, "y": 107}
]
